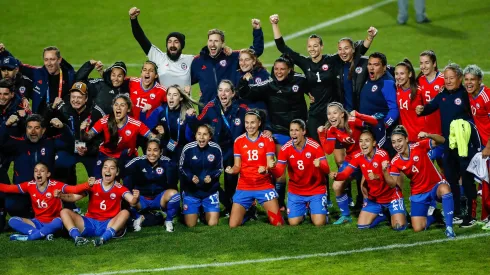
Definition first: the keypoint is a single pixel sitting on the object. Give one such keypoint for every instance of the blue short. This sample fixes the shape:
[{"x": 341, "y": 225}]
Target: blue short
[
  {"x": 396, "y": 207},
  {"x": 281, "y": 139},
  {"x": 245, "y": 198},
  {"x": 420, "y": 203},
  {"x": 436, "y": 152},
  {"x": 192, "y": 204},
  {"x": 94, "y": 228},
  {"x": 297, "y": 205},
  {"x": 151, "y": 204}
]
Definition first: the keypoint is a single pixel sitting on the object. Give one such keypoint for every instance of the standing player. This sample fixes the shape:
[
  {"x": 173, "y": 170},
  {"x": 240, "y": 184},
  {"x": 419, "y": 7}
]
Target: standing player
[
  {"x": 426, "y": 182},
  {"x": 344, "y": 129},
  {"x": 104, "y": 216},
  {"x": 45, "y": 204},
  {"x": 146, "y": 93},
  {"x": 174, "y": 67},
  {"x": 307, "y": 167},
  {"x": 408, "y": 97},
  {"x": 201, "y": 165},
  {"x": 378, "y": 194},
  {"x": 252, "y": 152}
]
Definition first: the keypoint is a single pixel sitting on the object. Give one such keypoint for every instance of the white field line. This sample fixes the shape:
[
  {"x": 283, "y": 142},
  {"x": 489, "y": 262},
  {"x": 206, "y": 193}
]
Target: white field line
[{"x": 298, "y": 257}]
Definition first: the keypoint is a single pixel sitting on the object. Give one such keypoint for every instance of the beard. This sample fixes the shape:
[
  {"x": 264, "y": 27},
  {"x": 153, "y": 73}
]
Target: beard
[{"x": 174, "y": 56}]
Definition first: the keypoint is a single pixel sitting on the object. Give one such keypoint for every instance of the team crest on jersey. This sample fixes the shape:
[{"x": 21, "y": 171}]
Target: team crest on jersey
[
  {"x": 55, "y": 157},
  {"x": 222, "y": 63},
  {"x": 237, "y": 121},
  {"x": 128, "y": 133},
  {"x": 48, "y": 195},
  {"x": 99, "y": 162},
  {"x": 210, "y": 157},
  {"x": 22, "y": 89},
  {"x": 43, "y": 151},
  {"x": 295, "y": 88},
  {"x": 308, "y": 155},
  {"x": 183, "y": 66},
  {"x": 436, "y": 87},
  {"x": 375, "y": 164},
  {"x": 374, "y": 88},
  {"x": 457, "y": 101},
  {"x": 261, "y": 145},
  {"x": 325, "y": 67},
  {"x": 258, "y": 80},
  {"x": 289, "y": 211},
  {"x": 477, "y": 105},
  {"x": 359, "y": 70},
  {"x": 416, "y": 158},
  {"x": 113, "y": 196},
  {"x": 185, "y": 207},
  {"x": 159, "y": 170},
  {"x": 363, "y": 165},
  {"x": 152, "y": 96}
]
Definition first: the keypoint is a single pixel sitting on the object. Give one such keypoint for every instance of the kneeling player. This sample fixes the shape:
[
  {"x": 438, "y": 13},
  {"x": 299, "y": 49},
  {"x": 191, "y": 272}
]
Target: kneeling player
[
  {"x": 307, "y": 167},
  {"x": 201, "y": 164},
  {"x": 45, "y": 204},
  {"x": 428, "y": 186},
  {"x": 104, "y": 216},
  {"x": 378, "y": 195},
  {"x": 252, "y": 152}
]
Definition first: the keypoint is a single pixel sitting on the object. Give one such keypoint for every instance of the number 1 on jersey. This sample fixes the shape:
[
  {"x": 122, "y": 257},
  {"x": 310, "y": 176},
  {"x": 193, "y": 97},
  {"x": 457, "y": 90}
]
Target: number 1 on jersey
[{"x": 318, "y": 77}]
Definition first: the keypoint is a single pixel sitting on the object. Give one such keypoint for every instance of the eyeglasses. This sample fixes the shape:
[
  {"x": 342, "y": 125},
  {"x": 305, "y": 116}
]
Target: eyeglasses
[{"x": 6, "y": 69}]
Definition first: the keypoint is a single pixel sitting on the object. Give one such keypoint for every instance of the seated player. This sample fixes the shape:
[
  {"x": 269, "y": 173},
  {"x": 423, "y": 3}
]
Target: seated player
[
  {"x": 307, "y": 167},
  {"x": 153, "y": 175},
  {"x": 378, "y": 195},
  {"x": 104, "y": 216},
  {"x": 427, "y": 184},
  {"x": 45, "y": 204},
  {"x": 201, "y": 165}
]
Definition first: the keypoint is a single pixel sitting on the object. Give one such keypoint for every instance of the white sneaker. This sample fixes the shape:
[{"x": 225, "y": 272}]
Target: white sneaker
[
  {"x": 486, "y": 226},
  {"x": 169, "y": 226},
  {"x": 457, "y": 220},
  {"x": 137, "y": 223}
]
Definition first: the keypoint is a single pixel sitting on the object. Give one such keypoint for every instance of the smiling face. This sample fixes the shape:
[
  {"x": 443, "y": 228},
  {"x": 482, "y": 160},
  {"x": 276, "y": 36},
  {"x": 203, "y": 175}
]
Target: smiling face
[
  {"x": 51, "y": 62},
  {"x": 153, "y": 152},
  {"x": 173, "y": 45},
  {"x": 375, "y": 68},
  {"x": 117, "y": 77},
  {"x": 345, "y": 51},
  {"x": 246, "y": 62},
  {"x": 77, "y": 100},
  {"x": 451, "y": 80},
  {"x": 109, "y": 171},
  {"x": 281, "y": 70},
  {"x": 120, "y": 109},
  {"x": 252, "y": 124},
  {"x": 34, "y": 131},
  {"x": 203, "y": 136},
  {"x": 5, "y": 96},
  {"x": 367, "y": 143},
  {"x": 472, "y": 83},
  {"x": 314, "y": 48},
  {"x": 225, "y": 94},
  {"x": 427, "y": 67},
  {"x": 215, "y": 44},
  {"x": 399, "y": 143},
  {"x": 148, "y": 75},
  {"x": 41, "y": 174},
  {"x": 296, "y": 133},
  {"x": 335, "y": 116},
  {"x": 402, "y": 76},
  {"x": 173, "y": 98}
]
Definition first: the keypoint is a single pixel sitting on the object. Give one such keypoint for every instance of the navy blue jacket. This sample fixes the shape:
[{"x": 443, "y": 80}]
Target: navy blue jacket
[
  {"x": 200, "y": 162},
  {"x": 380, "y": 97},
  {"x": 209, "y": 71},
  {"x": 224, "y": 136},
  {"x": 150, "y": 180},
  {"x": 27, "y": 154}
]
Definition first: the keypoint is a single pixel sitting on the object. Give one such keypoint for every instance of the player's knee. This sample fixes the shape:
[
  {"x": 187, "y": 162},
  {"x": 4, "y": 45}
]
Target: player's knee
[
  {"x": 399, "y": 227},
  {"x": 213, "y": 222},
  {"x": 190, "y": 224},
  {"x": 171, "y": 192},
  {"x": 418, "y": 227},
  {"x": 294, "y": 222},
  {"x": 234, "y": 224},
  {"x": 363, "y": 226},
  {"x": 319, "y": 222},
  {"x": 444, "y": 189},
  {"x": 65, "y": 212}
]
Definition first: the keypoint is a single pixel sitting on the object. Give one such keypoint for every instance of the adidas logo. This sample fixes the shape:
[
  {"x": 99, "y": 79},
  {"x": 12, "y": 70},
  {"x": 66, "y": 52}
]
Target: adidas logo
[
  {"x": 144, "y": 170},
  {"x": 194, "y": 157},
  {"x": 111, "y": 92},
  {"x": 279, "y": 92},
  {"x": 135, "y": 92},
  {"x": 291, "y": 157},
  {"x": 97, "y": 194},
  {"x": 245, "y": 146}
]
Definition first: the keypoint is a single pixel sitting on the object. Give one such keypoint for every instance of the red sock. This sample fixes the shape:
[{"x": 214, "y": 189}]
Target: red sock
[
  {"x": 275, "y": 218},
  {"x": 485, "y": 200}
]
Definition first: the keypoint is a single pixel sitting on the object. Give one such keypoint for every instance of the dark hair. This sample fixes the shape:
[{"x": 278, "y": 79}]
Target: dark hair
[
  {"x": 284, "y": 58},
  {"x": 52, "y": 48},
  {"x": 400, "y": 130},
  {"x": 368, "y": 130},
  {"x": 36, "y": 118},
  {"x": 113, "y": 160},
  {"x": 381, "y": 57},
  {"x": 351, "y": 42},
  {"x": 413, "y": 82},
  {"x": 316, "y": 36},
  {"x": 7, "y": 83},
  {"x": 112, "y": 124},
  {"x": 43, "y": 164},
  {"x": 300, "y": 122},
  {"x": 152, "y": 63},
  {"x": 261, "y": 116},
  {"x": 153, "y": 140},
  {"x": 208, "y": 127},
  {"x": 432, "y": 55}
]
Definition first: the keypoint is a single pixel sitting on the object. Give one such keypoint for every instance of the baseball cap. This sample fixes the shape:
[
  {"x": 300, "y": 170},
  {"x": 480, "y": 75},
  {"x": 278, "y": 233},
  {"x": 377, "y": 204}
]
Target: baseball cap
[
  {"x": 9, "y": 62},
  {"x": 79, "y": 87}
]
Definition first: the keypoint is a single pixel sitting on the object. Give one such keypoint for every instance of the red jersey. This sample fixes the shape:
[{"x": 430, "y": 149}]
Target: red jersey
[
  {"x": 480, "y": 108},
  {"x": 46, "y": 207},
  {"x": 304, "y": 178},
  {"x": 127, "y": 135},
  {"x": 253, "y": 154},
  {"x": 154, "y": 96},
  {"x": 349, "y": 142},
  {"x": 408, "y": 117},
  {"x": 418, "y": 167},
  {"x": 378, "y": 190},
  {"x": 105, "y": 204},
  {"x": 429, "y": 90}
]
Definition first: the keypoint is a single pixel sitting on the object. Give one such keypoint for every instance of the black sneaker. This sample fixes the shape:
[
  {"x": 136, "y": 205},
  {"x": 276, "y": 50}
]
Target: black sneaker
[{"x": 468, "y": 222}]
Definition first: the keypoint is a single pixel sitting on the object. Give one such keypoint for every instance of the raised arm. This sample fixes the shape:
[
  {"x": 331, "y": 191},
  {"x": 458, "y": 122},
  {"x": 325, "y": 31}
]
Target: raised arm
[
  {"x": 258, "y": 38},
  {"x": 435, "y": 139},
  {"x": 281, "y": 44},
  {"x": 138, "y": 33}
]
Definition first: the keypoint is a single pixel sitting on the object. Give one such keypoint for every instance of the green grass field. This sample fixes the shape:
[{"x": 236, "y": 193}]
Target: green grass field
[{"x": 101, "y": 30}]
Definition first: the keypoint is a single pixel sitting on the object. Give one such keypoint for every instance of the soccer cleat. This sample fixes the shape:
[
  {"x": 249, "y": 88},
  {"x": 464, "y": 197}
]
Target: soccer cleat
[
  {"x": 19, "y": 237},
  {"x": 50, "y": 237},
  {"x": 79, "y": 241},
  {"x": 137, "y": 223},
  {"x": 482, "y": 222},
  {"x": 98, "y": 242},
  {"x": 450, "y": 233},
  {"x": 468, "y": 222},
  {"x": 169, "y": 226},
  {"x": 343, "y": 219},
  {"x": 457, "y": 220},
  {"x": 486, "y": 226}
]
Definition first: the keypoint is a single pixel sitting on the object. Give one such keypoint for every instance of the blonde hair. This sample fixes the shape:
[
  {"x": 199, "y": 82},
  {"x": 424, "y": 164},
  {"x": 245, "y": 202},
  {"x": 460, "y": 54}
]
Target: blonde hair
[
  {"x": 186, "y": 103},
  {"x": 346, "y": 116}
]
